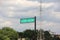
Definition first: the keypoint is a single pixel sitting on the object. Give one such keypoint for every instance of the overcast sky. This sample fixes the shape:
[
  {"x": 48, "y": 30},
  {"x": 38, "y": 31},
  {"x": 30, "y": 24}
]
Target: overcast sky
[{"x": 48, "y": 19}]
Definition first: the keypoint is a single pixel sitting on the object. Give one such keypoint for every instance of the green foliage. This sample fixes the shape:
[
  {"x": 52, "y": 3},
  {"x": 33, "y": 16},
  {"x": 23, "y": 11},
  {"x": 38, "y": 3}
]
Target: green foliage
[
  {"x": 21, "y": 34},
  {"x": 55, "y": 38},
  {"x": 3, "y": 37},
  {"x": 47, "y": 35},
  {"x": 30, "y": 34},
  {"x": 7, "y": 33}
]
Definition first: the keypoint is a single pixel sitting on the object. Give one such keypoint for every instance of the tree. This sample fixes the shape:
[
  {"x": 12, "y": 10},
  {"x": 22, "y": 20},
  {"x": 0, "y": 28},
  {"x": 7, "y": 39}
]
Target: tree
[
  {"x": 55, "y": 38},
  {"x": 21, "y": 35},
  {"x": 10, "y": 33},
  {"x": 3, "y": 37},
  {"x": 30, "y": 34},
  {"x": 47, "y": 35}
]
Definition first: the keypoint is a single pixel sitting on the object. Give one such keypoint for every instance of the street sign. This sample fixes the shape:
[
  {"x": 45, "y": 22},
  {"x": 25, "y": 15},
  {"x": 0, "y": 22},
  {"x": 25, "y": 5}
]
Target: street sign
[
  {"x": 30, "y": 20},
  {"x": 27, "y": 20}
]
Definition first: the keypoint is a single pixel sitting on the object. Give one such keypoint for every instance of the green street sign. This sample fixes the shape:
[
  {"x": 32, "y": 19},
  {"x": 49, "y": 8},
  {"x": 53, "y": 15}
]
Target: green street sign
[{"x": 27, "y": 20}]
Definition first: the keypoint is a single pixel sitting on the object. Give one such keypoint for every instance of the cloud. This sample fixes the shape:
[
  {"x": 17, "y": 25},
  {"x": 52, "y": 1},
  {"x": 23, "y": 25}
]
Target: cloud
[
  {"x": 28, "y": 3},
  {"x": 34, "y": 0},
  {"x": 8, "y": 23},
  {"x": 56, "y": 15},
  {"x": 50, "y": 15},
  {"x": 51, "y": 1},
  {"x": 46, "y": 5},
  {"x": 52, "y": 26},
  {"x": 24, "y": 3},
  {"x": 12, "y": 10}
]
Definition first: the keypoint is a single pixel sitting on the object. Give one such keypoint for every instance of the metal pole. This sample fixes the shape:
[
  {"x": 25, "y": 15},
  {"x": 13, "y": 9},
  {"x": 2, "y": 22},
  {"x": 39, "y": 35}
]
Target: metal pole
[
  {"x": 35, "y": 29},
  {"x": 40, "y": 17},
  {"x": 35, "y": 23}
]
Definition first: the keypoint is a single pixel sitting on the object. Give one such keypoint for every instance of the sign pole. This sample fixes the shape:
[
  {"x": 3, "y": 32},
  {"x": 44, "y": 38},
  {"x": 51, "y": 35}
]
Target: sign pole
[
  {"x": 35, "y": 23},
  {"x": 35, "y": 29},
  {"x": 30, "y": 20}
]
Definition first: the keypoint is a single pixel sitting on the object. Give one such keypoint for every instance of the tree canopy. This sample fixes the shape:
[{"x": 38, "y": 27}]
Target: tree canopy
[{"x": 7, "y": 33}]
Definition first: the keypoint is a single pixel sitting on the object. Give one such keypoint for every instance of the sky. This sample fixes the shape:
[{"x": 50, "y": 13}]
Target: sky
[{"x": 11, "y": 11}]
